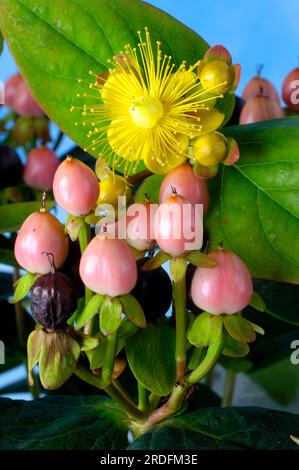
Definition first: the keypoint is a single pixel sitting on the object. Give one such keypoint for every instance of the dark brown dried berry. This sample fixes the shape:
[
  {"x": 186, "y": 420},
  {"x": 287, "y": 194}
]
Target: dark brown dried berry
[
  {"x": 153, "y": 291},
  {"x": 53, "y": 300},
  {"x": 11, "y": 168}
]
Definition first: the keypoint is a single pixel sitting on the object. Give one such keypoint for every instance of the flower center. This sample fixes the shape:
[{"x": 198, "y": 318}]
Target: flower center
[{"x": 146, "y": 111}]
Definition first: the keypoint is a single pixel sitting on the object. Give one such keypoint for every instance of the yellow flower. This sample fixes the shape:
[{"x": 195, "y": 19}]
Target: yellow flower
[{"x": 147, "y": 110}]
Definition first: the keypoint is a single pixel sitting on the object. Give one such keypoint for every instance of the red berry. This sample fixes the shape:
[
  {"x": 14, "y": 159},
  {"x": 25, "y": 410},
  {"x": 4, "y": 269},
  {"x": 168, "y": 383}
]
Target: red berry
[
  {"x": 40, "y": 168},
  {"x": 290, "y": 89},
  {"x": 260, "y": 108},
  {"x": 178, "y": 226},
  {"x": 226, "y": 288},
  {"x": 183, "y": 179},
  {"x": 253, "y": 88},
  {"x": 40, "y": 233},
  {"x": 108, "y": 267},
  {"x": 10, "y": 89},
  {"x": 75, "y": 187}
]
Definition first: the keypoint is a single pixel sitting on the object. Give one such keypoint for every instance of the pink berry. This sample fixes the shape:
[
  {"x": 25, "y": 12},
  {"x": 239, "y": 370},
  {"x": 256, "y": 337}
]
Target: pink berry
[
  {"x": 41, "y": 233},
  {"x": 178, "y": 226},
  {"x": 19, "y": 97},
  {"x": 108, "y": 267},
  {"x": 226, "y": 288},
  {"x": 139, "y": 222},
  {"x": 40, "y": 168},
  {"x": 183, "y": 179},
  {"x": 75, "y": 187},
  {"x": 253, "y": 88},
  {"x": 10, "y": 89}
]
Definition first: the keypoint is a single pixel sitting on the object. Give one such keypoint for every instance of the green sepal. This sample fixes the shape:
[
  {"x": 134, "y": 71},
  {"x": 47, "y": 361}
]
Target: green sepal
[
  {"x": 160, "y": 258},
  {"x": 87, "y": 342},
  {"x": 110, "y": 316},
  {"x": 92, "y": 219},
  {"x": 73, "y": 226},
  {"x": 239, "y": 328},
  {"x": 205, "y": 329},
  {"x": 178, "y": 268},
  {"x": 77, "y": 313},
  {"x": 257, "y": 302},
  {"x": 257, "y": 328},
  {"x": 197, "y": 355},
  {"x": 34, "y": 344},
  {"x": 58, "y": 358},
  {"x": 133, "y": 310},
  {"x": 23, "y": 286},
  {"x": 126, "y": 329},
  {"x": 90, "y": 310},
  {"x": 200, "y": 259},
  {"x": 234, "y": 348},
  {"x": 96, "y": 356}
]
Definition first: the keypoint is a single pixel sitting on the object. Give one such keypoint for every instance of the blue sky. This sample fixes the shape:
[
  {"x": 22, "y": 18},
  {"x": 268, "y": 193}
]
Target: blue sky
[
  {"x": 255, "y": 32},
  {"x": 259, "y": 31}
]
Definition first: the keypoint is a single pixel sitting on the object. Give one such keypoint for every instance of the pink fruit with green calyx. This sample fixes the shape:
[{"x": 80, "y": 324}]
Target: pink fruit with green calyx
[
  {"x": 139, "y": 225},
  {"x": 186, "y": 184},
  {"x": 178, "y": 226},
  {"x": 41, "y": 233},
  {"x": 108, "y": 267},
  {"x": 224, "y": 289},
  {"x": 75, "y": 187}
]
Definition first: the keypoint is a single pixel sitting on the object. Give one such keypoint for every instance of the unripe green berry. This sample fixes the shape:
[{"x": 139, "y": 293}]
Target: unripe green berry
[
  {"x": 210, "y": 149},
  {"x": 216, "y": 76}
]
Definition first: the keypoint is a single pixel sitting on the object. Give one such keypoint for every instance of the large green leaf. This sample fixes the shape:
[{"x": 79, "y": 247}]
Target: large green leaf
[
  {"x": 1, "y": 42},
  {"x": 57, "y": 42},
  {"x": 232, "y": 428},
  {"x": 61, "y": 422},
  {"x": 254, "y": 206},
  {"x": 282, "y": 300},
  {"x": 13, "y": 215},
  {"x": 150, "y": 354}
]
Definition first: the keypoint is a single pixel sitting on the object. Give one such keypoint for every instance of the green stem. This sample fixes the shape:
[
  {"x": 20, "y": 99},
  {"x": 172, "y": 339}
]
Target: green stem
[
  {"x": 213, "y": 353},
  {"x": 172, "y": 405},
  {"x": 153, "y": 400},
  {"x": 143, "y": 395},
  {"x": 229, "y": 386},
  {"x": 122, "y": 390},
  {"x": 179, "y": 300},
  {"x": 84, "y": 239},
  {"x": 19, "y": 314},
  {"x": 109, "y": 358}
]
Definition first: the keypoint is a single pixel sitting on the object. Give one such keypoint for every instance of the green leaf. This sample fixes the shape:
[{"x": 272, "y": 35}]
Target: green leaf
[
  {"x": 104, "y": 29},
  {"x": 200, "y": 259},
  {"x": 96, "y": 356},
  {"x": 151, "y": 187},
  {"x": 133, "y": 310},
  {"x": 226, "y": 106},
  {"x": 127, "y": 328},
  {"x": 205, "y": 329},
  {"x": 151, "y": 356},
  {"x": 62, "y": 423},
  {"x": 257, "y": 302},
  {"x": 239, "y": 328},
  {"x": 282, "y": 391},
  {"x": 254, "y": 206},
  {"x": 23, "y": 286},
  {"x": 90, "y": 310},
  {"x": 236, "y": 364},
  {"x": 234, "y": 348},
  {"x": 160, "y": 258},
  {"x": 232, "y": 428},
  {"x": 110, "y": 316},
  {"x": 13, "y": 215},
  {"x": 1, "y": 43},
  {"x": 282, "y": 300}
]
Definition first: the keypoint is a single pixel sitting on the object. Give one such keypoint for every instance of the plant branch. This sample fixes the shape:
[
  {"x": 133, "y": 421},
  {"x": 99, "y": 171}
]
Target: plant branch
[
  {"x": 109, "y": 358},
  {"x": 84, "y": 239},
  {"x": 213, "y": 353},
  {"x": 229, "y": 386},
  {"x": 179, "y": 300},
  {"x": 139, "y": 177},
  {"x": 143, "y": 395}
]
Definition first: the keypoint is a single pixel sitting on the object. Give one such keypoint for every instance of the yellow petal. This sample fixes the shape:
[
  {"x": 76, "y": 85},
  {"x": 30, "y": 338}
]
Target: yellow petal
[{"x": 209, "y": 121}]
